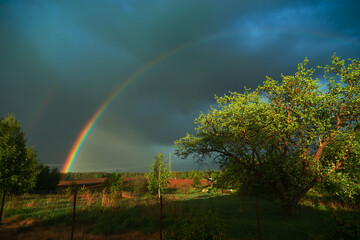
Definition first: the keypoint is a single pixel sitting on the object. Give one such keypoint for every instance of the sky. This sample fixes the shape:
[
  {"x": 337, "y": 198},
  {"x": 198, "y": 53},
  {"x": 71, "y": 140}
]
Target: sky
[{"x": 155, "y": 64}]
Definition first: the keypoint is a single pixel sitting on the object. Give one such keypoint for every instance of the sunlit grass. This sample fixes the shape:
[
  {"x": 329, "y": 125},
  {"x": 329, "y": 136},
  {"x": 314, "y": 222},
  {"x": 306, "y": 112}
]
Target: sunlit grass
[{"x": 100, "y": 213}]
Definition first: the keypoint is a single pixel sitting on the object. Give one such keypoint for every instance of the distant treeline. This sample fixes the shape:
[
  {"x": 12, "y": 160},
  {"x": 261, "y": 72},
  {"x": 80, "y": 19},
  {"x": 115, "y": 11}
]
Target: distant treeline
[{"x": 174, "y": 174}]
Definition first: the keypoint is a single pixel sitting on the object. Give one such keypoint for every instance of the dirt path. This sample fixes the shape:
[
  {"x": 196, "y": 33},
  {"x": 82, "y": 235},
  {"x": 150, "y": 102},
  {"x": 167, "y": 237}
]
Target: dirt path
[{"x": 17, "y": 229}]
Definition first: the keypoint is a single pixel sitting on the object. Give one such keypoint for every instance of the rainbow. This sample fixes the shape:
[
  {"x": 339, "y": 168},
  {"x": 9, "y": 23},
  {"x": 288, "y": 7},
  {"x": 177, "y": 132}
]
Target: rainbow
[
  {"x": 85, "y": 132},
  {"x": 40, "y": 109},
  {"x": 87, "y": 129}
]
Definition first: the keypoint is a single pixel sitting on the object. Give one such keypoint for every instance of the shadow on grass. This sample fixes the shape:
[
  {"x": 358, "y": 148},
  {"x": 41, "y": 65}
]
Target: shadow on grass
[{"x": 238, "y": 214}]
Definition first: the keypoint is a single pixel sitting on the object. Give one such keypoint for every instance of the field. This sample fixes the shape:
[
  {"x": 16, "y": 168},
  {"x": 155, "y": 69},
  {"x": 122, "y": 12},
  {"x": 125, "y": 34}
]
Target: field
[{"x": 99, "y": 216}]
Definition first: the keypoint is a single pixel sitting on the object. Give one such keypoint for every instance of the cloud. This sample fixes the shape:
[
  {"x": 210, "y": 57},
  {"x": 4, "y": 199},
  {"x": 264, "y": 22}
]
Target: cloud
[{"x": 85, "y": 50}]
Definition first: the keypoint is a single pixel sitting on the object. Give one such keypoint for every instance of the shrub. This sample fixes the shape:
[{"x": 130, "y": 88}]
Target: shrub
[
  {"x": 71, "y": 189},
  {"x": 342, "y": 187},
  {"x": 184, "y": 187},
  {"x": 138, "y": 185},
  {"x": 114, "y": 185},
  {"x": 47, "y": 180},
  {"x": 196, "y": 181}
]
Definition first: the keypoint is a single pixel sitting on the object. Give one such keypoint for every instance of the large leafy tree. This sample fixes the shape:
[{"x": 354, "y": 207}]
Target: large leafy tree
[
  {"x": 290, "y": 135},
  {"x": 159, "y": 175}
]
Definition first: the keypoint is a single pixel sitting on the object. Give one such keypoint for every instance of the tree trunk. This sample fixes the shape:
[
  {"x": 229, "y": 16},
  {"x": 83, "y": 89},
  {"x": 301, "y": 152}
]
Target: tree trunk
[
  {"x": 159, "y": 185},
  {"x": 161, "y": 217},
  {"x": 291, "y": 210},
  {"x": 2, "y": 204}
]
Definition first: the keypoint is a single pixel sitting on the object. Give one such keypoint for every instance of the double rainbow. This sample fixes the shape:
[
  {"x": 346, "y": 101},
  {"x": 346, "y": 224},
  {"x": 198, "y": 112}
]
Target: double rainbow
[{"x": 85, "y": 132}]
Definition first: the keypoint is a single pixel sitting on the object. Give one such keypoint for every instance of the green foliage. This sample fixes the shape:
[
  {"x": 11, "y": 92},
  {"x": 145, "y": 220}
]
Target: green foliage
[
  {"x": 183, "y": 175},
  {"x": 114, "y": 185},
  {"x": 138, "y": 185},
  {"x": 341, "y": 186},
  {"x": 196, "y": 181},
  {"x": 71, "y": 189},
  {"x": 191, "y": 174},
  {"x": 228, "y": 178},
  {"x": 47, "y": 179},
  {"x": 344, "y": 184},
  {"x": 87, "y": 175},
  {"x": 83, "y": 190},
  {"x": 159, "y": 175},
  {"x": 197, "y": 227},
  {"x": 286, "y": 135},
  {"x": 18, "y": 163}
]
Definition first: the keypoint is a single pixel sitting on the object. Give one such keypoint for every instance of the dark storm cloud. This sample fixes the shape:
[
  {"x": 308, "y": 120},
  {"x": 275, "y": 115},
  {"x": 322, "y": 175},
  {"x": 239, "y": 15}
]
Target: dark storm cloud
[{"x": 61, "y": 59}]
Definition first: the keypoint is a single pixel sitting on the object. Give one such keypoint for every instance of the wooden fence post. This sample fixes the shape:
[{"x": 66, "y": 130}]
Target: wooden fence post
[
  {"x": 258, "y": 219},
  {"x": 73, "y": 217}
]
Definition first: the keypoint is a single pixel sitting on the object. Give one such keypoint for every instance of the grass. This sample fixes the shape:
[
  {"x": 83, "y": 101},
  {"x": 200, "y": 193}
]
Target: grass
[{"x": 99, "y": 213}]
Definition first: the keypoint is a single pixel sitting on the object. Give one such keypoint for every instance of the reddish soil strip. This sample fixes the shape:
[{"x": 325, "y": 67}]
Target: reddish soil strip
[
  {"x": 91, "y": 182},
  {"x": 185, "y": 183},
  {"x": 98, "y": 182}
]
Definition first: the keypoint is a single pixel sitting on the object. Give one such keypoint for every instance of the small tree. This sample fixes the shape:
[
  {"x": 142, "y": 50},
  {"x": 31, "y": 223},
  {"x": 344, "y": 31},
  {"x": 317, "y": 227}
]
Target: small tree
[
  {"x": 175, "y": 174},
  {"x": 159, "y": 175},
  {"x": 138, "y": 185},
  {"x": 18, "y": 164},
  {"x": 114, "y": 185},
  {"x": 196, "y": 181}
]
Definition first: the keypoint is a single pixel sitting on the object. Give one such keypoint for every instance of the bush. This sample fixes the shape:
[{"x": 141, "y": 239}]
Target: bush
[
  {"x": 47, "y": 180},
  {"x": 342, "y": 187},
  {"x": 184, "y": 187},
  {"x": 138, "y": 185},
  {"x": 71, "y": 189},
  {"x": 197, "y": 227},
  {"x": 196, "y": 181},
  {"x": 114, "y": 185}
]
